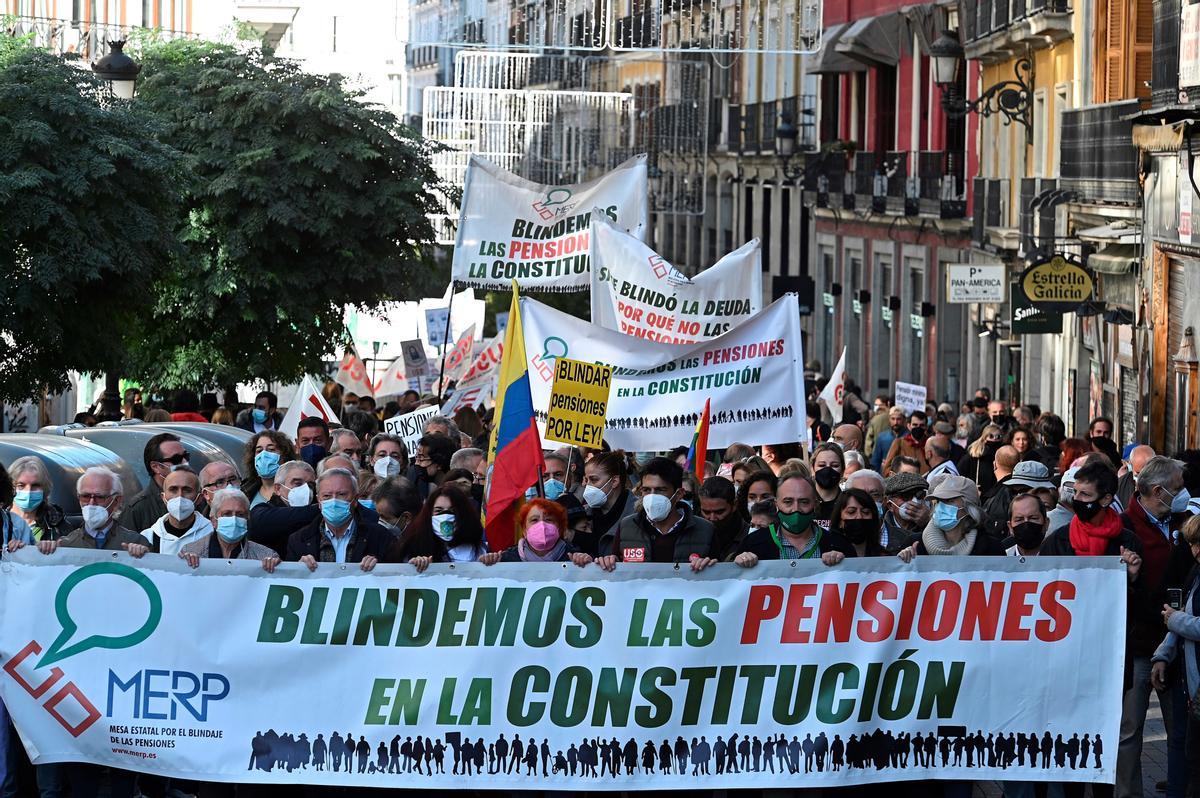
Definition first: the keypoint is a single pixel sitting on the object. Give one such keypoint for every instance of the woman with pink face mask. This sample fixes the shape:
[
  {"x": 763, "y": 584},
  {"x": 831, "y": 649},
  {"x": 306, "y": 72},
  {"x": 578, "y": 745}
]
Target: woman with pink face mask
[{"x": 540, "y": 525}]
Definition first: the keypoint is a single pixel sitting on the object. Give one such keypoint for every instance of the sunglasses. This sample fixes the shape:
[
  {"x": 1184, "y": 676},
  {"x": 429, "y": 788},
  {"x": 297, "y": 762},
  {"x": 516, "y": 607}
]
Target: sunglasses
[{"x": 178, "y": 459}]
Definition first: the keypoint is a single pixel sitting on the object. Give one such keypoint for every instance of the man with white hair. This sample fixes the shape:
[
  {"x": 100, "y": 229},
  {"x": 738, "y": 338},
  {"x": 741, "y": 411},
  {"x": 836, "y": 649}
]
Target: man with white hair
[
  {"x": 337, "y": 461},
  {"x": 466, "y": 458},
  {"x": 441, "y": 425},
  {"x": 871, "y": 482},
  {"x": 290, "y": 509},
  {"x": 230, "y": 511},
  {"x": 1127, "y": 484},
  {"x": 347, "y": 444},
  {"x": 100, "y": 496},
  {"x": 341, "y": 533}
]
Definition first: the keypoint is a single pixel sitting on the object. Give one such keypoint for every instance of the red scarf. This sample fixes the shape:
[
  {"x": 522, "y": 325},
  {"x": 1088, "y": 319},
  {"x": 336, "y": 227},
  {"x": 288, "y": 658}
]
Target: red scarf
[{"x": 1092, "y": 539}]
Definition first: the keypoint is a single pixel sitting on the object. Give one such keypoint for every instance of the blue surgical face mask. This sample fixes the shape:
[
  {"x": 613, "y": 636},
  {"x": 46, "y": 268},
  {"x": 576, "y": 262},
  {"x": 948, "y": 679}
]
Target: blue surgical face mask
[
  {"x": 231, "y": 528},
  {"x": 368, "y": 503},
  {"x": 1179, "y": 502},
  {"x": 266, "y": 463},
  {"x": 553, "y": 489},
  {"x": 336, "y": 512},
  {"x": 28, "y": 500},
  {"x": 260, "y": 415},
  {"x": 945, "y": 516}
]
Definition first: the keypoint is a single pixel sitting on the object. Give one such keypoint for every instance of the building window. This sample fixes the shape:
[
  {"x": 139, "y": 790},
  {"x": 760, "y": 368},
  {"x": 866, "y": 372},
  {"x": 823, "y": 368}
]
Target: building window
[
  {"x": 1040, "y": 125},
  {"x": 1124, "y": 44}
]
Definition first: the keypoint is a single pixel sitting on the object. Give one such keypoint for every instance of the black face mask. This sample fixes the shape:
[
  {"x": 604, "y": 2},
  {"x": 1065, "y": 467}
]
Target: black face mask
[
  {"x": 918, "y": 433},
  {"x": 858, "y": 530},
  {"x": 477, "y": 493},
  {"x": 827, "y": 477},
  {"x": 991, "y": 446},
  {"x": 998, "y": 420},
  {"x": 1086, "y": 511},
  {"x": 1029, "y": 535}
]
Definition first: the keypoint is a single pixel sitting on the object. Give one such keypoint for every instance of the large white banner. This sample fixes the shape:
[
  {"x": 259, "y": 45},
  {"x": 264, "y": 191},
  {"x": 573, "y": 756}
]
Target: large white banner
[
  {"x": 754, "y": 375},
  {"x": 553, "y": 677},
  {"x": 512, "y": 229},
  {"x": 636, "y": 291}
]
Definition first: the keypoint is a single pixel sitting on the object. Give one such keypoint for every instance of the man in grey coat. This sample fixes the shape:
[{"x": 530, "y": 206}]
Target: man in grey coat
[{"x": 100, "y": 496}]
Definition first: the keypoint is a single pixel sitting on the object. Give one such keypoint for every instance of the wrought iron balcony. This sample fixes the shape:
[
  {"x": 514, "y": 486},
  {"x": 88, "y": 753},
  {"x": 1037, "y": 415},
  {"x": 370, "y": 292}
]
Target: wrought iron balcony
[
  {"x": 88, "y": 40},
  {"x": 940, "y": 186}
]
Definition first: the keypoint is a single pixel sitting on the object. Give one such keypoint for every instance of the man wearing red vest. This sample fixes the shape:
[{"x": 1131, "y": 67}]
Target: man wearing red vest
[{"x": 1155, "y": 513}]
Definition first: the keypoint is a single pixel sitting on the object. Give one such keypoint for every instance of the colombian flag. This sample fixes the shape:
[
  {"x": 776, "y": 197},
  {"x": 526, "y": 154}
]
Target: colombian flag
[
  {"x": 516, "y": 448},
  {"x": 699, "y": 448}
]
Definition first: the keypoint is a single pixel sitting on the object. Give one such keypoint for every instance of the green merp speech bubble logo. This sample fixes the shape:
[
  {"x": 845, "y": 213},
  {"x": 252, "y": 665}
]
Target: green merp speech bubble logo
[{"x": 62, "y": 647}]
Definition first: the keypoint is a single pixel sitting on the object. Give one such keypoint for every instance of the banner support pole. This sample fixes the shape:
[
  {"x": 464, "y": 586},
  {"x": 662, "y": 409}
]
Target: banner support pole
[{"x": 442, "y": 357}]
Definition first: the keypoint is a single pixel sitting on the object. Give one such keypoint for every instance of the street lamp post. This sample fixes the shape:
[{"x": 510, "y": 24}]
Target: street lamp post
[
  {"x": 119, "y": 70},
  {"x": 785, "y": 146},
  {"x": 1011, "y": 98}
]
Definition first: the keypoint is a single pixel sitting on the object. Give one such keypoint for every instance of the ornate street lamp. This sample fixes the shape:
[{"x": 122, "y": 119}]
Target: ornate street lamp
[
  {"x": 119, "y": 70},
  {"x": 1012, "y": 98},
  {"x": 785, "y": 146}
]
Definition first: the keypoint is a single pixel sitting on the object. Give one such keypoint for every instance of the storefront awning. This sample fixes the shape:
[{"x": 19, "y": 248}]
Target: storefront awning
[
  {"x": 828, "y": 60},
  {"x": 1115, "y": 259},
  {"x": 1121, "y": 231},
  {"x": 874, "y": 40}
]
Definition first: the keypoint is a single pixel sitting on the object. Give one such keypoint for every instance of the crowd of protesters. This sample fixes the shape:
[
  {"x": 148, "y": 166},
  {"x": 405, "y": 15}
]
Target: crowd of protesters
[{"x": 985, "y": 479}]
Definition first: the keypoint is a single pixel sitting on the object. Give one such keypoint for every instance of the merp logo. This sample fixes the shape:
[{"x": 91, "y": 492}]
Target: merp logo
[
  {"x": 553, "y": 205},
  {"x": 552, "y": 349},
  {"x": 68, "y": 705}
]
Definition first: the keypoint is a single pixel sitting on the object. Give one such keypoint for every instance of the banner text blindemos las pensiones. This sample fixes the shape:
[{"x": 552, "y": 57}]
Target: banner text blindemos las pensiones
[{"x": 650, "y": 677}]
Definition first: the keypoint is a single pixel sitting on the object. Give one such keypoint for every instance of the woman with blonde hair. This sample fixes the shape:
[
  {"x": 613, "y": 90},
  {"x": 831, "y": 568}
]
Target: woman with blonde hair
[{"x": 978, "y": 462}]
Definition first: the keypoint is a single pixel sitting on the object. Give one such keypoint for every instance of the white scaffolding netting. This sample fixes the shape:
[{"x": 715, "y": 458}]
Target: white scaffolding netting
[{"x": 743, "y": 26}]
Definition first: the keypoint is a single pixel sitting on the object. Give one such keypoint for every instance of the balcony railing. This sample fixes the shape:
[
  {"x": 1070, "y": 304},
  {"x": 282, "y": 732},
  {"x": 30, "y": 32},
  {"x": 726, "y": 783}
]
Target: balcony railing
[
  {"x": 751, "y": 127},
  {"x": 940, "y": 186},
  {"x": 733, "y": 128},
  {"x": 1164, "y": 75},
  {"x": 422, "y": 56},
  {"x": 992, "y": 16},
  {"x": 1098, "y": 158},
  {"x": 770, "y": 121},
  {"x": 89, "y": 40}
]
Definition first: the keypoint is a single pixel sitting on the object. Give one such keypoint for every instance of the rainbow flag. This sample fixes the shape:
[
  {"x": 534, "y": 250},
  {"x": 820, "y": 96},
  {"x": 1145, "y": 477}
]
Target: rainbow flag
[
  {"x": 699, "y": 448},
  {"x": 515, "y": 453}
]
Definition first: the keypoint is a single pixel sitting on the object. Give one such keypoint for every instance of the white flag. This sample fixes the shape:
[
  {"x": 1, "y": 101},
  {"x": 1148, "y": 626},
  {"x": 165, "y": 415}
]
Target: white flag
[
  {"x": 307, "y": 402},
  {"x": 835, "y": 389},
  {"x": 394, "y": 382},
  {"x": 457, "y": 359},
  {"x": 352, "y": 373}
]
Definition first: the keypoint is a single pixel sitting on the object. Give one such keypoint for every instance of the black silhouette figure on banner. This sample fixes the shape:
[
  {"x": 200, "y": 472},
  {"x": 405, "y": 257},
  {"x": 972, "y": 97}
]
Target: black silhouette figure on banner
[{"x": 593, "y": 758}]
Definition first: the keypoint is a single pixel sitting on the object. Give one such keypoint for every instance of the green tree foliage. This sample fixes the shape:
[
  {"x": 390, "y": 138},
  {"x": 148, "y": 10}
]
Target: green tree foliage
[
  {"x": 87, "y": 220},
  {"x": 300, "y": 199}
]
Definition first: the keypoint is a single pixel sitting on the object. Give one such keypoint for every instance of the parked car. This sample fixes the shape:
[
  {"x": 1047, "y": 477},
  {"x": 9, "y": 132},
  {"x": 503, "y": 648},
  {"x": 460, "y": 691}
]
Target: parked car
[
  {"x": 66, "y": 458},
  {"x": 128, "y": 441},
  {"x": 231, "y": 439}
]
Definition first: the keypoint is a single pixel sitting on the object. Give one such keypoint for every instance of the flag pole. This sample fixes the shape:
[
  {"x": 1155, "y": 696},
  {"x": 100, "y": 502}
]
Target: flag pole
[{"x": 449, "y": 312}]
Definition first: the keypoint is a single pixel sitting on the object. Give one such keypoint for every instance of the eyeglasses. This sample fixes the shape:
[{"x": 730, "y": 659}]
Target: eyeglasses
[
  {"x": 479, "y": 479},
  {"x": 177, "y": 459},
  {"x": 224, "y": 482},
  {"x": 422, "y": 458},
  {"x": 95, "y": 498}
]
